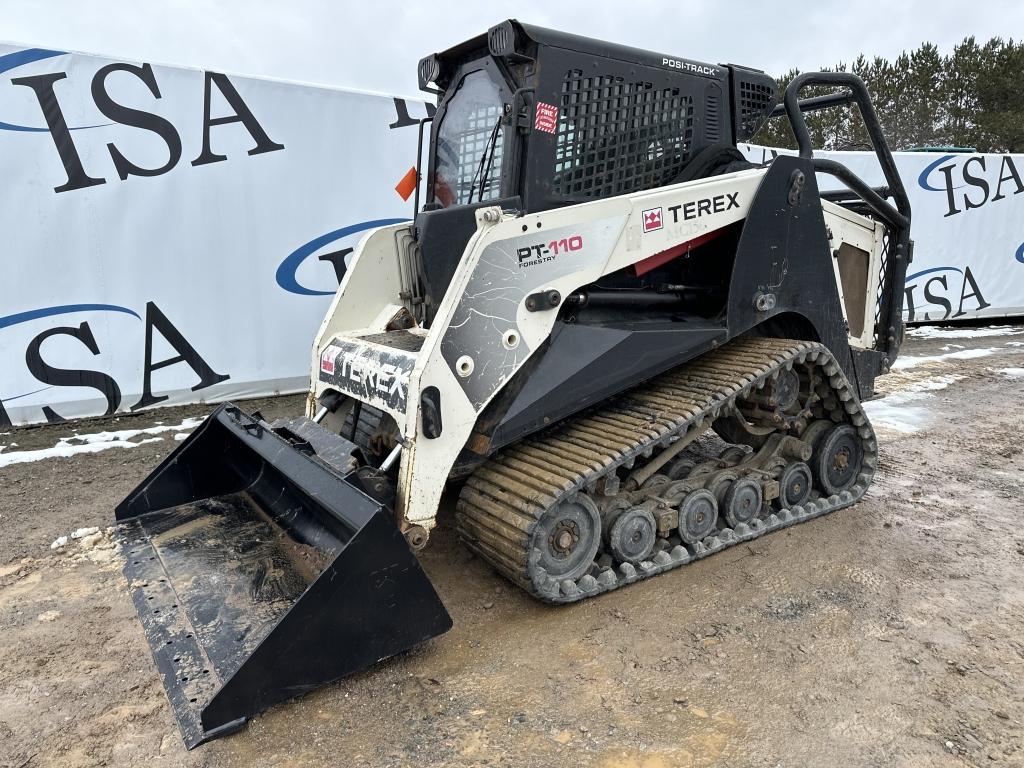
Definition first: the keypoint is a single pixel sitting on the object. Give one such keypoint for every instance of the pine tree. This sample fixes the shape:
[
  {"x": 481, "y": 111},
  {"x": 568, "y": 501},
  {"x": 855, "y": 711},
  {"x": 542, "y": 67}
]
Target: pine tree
[
  {"x": 959, "y": 91},
  {"x": 1001, "y": 98},
  {"x": 970, "y": 98}
]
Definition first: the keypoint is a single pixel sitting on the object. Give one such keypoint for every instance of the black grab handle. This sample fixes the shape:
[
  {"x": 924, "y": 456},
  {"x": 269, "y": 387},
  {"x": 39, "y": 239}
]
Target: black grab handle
[
  {"x": 898, "y": 217},
  {"x": 888, "y": 331}
]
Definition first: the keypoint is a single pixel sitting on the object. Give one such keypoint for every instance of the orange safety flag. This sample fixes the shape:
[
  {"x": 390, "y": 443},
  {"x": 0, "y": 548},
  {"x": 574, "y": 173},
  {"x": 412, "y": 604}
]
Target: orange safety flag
[{"x": 407, "y": 185}]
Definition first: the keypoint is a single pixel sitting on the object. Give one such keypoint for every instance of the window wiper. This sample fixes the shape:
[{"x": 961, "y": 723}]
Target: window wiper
[{"x": 484, "y": 171}]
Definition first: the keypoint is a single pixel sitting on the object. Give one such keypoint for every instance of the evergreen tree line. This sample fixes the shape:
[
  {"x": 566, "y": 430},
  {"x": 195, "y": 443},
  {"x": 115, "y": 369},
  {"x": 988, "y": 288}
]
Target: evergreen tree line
[{"x": 971, "y": 98}]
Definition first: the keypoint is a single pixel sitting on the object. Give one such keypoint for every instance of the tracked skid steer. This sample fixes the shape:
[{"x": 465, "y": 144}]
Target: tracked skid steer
[{"x": 630, "y": 347}]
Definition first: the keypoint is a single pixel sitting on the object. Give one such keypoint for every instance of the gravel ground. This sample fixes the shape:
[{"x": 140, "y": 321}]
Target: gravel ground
[{"x": 888, "y": 634}]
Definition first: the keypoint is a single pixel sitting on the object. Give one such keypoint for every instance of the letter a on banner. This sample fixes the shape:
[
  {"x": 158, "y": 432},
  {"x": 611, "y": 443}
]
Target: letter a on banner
[
  {"x": 187, "y": 354},
  {"x": 242, "y": 115}
]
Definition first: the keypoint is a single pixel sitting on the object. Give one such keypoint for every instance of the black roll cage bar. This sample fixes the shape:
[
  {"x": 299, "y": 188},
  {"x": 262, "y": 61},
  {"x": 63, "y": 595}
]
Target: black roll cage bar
[{"x": 888, "y": 331}]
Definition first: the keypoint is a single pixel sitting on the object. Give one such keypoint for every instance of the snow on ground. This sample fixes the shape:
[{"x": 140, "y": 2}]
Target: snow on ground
[
  {"x": 904, "y": 363},
  {"x": 80, "y": 533},
  {"x": 93, "y": 545},
  {"x": 63, "y": 450},
  {"x": 1012, "y": 373},
  {"x": 93, "y": 442},
  {"x": 939, "y": 332},
  {"x": 907, "y": 410},
  {"x": 126, "y": 434}
]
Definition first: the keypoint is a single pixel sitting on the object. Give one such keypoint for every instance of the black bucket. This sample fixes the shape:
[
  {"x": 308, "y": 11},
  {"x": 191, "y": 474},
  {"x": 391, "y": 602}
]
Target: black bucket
[{"x": 260, "y": 570}]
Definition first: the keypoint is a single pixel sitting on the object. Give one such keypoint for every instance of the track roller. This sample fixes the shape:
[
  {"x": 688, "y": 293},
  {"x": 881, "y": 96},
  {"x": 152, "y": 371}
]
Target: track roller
[
  {"x": 698, "y": 515},
  {"x": 631, "y": 534},
  {"x": 742, "y": 501},
  {"x": 567, "y": 538}
]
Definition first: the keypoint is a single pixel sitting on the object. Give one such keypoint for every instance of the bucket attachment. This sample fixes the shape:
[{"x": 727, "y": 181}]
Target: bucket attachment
[{"x": 260, "y": 570}]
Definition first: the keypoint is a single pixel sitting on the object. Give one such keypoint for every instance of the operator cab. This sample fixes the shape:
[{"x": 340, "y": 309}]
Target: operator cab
[{"x": 531, "y": 119}]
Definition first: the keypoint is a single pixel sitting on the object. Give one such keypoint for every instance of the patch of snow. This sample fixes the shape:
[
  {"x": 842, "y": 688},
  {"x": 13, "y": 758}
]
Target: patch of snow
[
  {"x": 81, "y": 533},
  {"x": 95, "y": 442},
  {"x": 928, "y": 385},
  {"x": 906, "y": 410},
  {"x": 126, "y": 434},
  {"x": 1015, "y": 343},
  {"x": 1012, "y": 373},
  {"x": 181, "y": 436},
  {"x": 64, "y": 450},
  {"x": 60, "y": 541},
  {"x": 948, "y": 347},
  {"x": 935, "y": 332},
  {"x": 964, "y": 354},
  {"x": 900, "y": 417}
]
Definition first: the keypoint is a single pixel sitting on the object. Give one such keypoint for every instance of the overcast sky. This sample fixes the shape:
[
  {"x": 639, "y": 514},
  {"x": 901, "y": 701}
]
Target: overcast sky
[{"x": 375, "y": 45}]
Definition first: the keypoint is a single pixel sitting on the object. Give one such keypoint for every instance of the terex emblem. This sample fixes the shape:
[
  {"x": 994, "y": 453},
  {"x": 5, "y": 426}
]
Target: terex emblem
[
  {"x": 652, "y": 219},
  {"x": 327, "y": 358},
  {"x": 370, "y": 373}
]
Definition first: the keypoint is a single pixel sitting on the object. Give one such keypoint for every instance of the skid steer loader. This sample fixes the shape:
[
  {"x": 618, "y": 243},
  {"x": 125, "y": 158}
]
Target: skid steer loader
[{"x": 596, "y": 285}]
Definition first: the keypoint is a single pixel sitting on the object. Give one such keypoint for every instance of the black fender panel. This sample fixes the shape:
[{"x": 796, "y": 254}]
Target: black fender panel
[
  {"x": 585, "y": 364},
  {"x": 784, "y": 259}
]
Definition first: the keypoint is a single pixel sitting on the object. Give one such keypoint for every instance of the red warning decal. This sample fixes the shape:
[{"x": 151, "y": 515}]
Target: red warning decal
[{"x": 546, "y": 118}]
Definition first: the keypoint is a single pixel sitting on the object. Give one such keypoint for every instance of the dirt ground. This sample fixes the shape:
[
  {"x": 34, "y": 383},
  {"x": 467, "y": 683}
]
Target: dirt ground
[{"x": 888, "y": 634}]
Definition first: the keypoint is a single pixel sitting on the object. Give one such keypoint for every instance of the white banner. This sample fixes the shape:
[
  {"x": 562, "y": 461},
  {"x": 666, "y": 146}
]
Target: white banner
[
  {"x": 968, "y": 229},
  {"x": 163, "y": 230},
  {"x": 169, "y": 235}
]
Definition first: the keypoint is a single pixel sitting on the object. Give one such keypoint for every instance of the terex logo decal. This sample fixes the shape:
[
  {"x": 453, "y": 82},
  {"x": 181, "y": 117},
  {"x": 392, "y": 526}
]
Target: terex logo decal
[
  {"x": 78, "y": 177},
  {"x": 368, "y": 372},
  {"x": 942, "y": 287},
  {"x": 1019, "y": 255},
  {"x": 287, "y": 276},
  {"x": 43, "y": 372},
  {"x": 652, "y": 218},
  {"x": 706, "y": 206},
  {"x": 327, "y": 358},
  {"x": 977, "y": 176}
]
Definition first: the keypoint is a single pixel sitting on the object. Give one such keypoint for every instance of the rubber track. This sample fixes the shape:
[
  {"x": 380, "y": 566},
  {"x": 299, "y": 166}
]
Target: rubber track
[{"x": 501, "y": 502}]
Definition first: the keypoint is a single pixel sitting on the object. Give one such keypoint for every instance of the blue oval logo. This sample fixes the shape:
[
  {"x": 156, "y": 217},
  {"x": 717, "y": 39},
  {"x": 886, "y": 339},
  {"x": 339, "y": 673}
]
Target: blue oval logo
[
  {"x": 922, "y": 180},
  {"x": 1020, "y": 254},
  {"x": 286, "y": 275},
  {"x": 24, "y": 394},
  {"x": 19, "y": 59},
  {"x": 63, "y": 309},
  {"x": 923, "y": 272}
]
